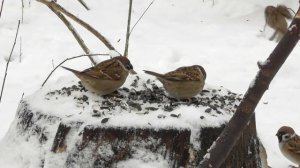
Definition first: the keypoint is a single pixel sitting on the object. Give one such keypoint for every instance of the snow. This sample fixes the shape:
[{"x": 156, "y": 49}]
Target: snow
[
  {"x": 224, "y": 37},
  {"x": 113, "y": 53},
  {"x": 61, "y": 101},
  {"x": 132, "y": 163}
]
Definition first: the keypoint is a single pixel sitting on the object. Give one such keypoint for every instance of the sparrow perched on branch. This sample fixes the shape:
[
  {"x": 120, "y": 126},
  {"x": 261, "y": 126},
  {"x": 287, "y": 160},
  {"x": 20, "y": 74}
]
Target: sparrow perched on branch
[
  {"x": 184, "y": 82},
  {"x": 289, "y": 144},
  {"x": 275, "y": 18},
  {"x": 105, "y": 77}
]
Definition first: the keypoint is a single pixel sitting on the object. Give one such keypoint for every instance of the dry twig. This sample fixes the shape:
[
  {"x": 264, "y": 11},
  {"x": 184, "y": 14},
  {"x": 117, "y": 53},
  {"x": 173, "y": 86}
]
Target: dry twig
[
  {"x": 57, "y": 7},
  {"x": 84, "y": 4},
  {"x": 1, "y": 7},
  {"x": 128, "y": 29},
  {"x": 9, "y": 60},
  {"x": 141, "y": 17},
  {"x": 74, "y": 32},
  {"x": 22, "y": 96},
  {"x": 83, "y": 55},
  {"x": 22, "y": 11}
]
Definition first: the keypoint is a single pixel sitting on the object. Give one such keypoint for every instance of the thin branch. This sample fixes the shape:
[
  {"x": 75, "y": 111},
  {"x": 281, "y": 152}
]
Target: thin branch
[
  {"x": 9, "y": 60},
  {"x": 22, "y": 11},
  {"x": 79, "y": 21},
  {"x": 292, "y": 10},
  {"x": 141, "y": 16},
  {"x": 84, "y": 4},
  {"x": 74, "y": 32},
  {"x": 22, "y": 96},
  {"x": 128, "y": 29},
  {"x": 83, "y": 55},
  {"x": 1, "y": 7},
  {"x": 233, "y": 130}
]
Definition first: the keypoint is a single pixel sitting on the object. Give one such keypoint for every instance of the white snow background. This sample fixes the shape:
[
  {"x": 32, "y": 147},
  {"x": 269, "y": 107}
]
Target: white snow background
[{"x": 224, "y": 37}]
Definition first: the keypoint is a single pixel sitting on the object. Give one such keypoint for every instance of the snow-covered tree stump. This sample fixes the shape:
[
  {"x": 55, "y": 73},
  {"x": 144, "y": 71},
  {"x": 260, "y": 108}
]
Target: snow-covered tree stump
[{"x": 138, "y": 124}]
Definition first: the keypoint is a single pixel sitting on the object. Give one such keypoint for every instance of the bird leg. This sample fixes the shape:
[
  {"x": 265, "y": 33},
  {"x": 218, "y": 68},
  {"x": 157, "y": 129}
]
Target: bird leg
[{"x": 273, "y": 36}]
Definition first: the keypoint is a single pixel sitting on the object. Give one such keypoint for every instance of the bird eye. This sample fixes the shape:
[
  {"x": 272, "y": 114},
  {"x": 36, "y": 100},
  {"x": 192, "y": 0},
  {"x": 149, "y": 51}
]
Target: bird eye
[
  {"x": 285, "y": 137},
  {"x": 128, "y": 66}
]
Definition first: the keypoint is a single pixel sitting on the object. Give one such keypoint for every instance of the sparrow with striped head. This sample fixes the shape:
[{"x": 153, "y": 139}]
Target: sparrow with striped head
[
  {"x": 289, "y": 144},
  {"x": 184, "y": 82},
  {"x": 107, "y": 76}
]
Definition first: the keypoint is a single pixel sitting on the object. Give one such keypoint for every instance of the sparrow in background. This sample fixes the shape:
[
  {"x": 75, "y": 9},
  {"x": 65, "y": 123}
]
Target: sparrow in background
[
  {"x": 289, "y": 144},
  {"x": 184, "y": 82},
  {"x": 105, "y": 77},
  {"x": 276, "y": 19}
]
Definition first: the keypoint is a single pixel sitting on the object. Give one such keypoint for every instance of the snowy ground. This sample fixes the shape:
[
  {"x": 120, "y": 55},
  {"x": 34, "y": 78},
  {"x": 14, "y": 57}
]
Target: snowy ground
[{"x": 224, "y": 38}]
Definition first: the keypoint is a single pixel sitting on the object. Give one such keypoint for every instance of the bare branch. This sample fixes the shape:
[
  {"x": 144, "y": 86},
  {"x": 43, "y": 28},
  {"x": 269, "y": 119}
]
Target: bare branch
[
  {"x": 22, "y": 96},
  {"x": 22, "y": 11},
  {"x": 9, "y": 60},
  {"x": 74, "y": 32},
  {"x": 84, "y": 4},
  {"x": 128, "y": 29},
  {"x": 141, "y": 16},
  {"x": 79, "y": 21},
  {"x": 1, "y": 7},
  {"x": 232, "y": 132},
  {"x": 84, "y": 55}
]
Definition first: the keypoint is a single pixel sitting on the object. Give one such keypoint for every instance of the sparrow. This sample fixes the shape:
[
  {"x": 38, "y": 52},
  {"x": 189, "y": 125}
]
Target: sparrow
[
  {"x": 276, "y": 19},
  {"x": 105, "y": 77},
  {"x": 184, "y": 82},
  {"x": 289, "y": 144}
]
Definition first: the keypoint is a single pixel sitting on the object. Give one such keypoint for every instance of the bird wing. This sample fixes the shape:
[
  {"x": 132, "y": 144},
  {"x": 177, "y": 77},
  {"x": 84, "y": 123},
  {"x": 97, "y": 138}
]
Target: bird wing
[
  {"x": 184, "y": 73},
  {"x": 294, "y": 145},
  {"x": 107, "y": 70}
]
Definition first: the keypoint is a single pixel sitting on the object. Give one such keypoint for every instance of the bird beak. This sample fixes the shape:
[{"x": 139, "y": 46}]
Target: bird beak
[{"x": 132, "y": 72}]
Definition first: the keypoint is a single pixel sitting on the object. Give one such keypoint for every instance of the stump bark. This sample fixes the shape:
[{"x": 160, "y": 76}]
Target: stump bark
[{"x": 97, "y": 141}]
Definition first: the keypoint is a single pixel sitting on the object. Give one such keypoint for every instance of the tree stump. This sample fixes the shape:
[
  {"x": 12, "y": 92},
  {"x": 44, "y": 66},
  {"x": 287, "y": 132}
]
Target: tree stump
[{"x": 76, "y": 128}]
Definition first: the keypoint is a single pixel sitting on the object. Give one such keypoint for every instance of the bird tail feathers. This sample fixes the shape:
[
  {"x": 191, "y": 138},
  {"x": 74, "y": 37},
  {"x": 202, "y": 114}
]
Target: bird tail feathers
[
  {"x": 72, "y": 70},
  {"x": 153, "y": 73}
]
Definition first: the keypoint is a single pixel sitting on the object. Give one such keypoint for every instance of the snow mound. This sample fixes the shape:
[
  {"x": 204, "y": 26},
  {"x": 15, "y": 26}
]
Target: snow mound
[{"x": 139, "y": 104}]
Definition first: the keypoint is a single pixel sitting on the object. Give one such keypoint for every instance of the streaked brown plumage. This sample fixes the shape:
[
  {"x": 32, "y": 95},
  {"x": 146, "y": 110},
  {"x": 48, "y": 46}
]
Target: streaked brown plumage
[
  {"x": 105, "y": 77},
  {"x": 276, "y": 19},
  {"x": 184, "y": 82},
  {"x": 284, "y": 11},
  {"x": 289, "y": 144}
]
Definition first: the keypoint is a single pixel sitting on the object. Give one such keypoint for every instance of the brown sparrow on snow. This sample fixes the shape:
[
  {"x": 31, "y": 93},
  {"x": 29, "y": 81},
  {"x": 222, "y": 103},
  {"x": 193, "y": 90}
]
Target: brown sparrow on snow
[
  {"x": 105, "y": 77},
  {"x": 289, "y": 144},
  {"x": 184, "y": 82}
]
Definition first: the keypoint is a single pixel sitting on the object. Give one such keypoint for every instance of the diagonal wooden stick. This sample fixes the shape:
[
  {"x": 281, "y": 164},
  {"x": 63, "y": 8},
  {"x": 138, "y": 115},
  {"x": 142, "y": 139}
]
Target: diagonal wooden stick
[
  {"x": 74, "y": 32},
  {"x": 57, "y": 7},
  {"x": 233, "y": 130},
  {"x": 141, "y": 17},
  {"x": 84, "y": 4},
  {"x": 1, "y": 8},
  {"x": 9, "y": 60}
]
